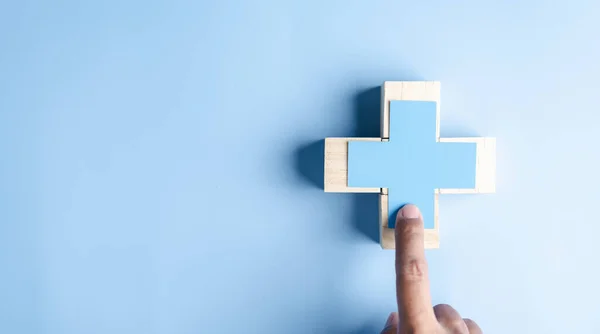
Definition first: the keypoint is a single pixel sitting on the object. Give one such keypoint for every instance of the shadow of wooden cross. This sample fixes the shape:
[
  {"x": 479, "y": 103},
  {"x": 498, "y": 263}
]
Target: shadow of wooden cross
[{"x": 410, "y": 163}]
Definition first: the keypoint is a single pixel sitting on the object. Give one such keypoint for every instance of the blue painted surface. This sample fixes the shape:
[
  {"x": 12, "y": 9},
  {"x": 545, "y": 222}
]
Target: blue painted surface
[
  {"x": 411, "y": 164},
  {"x": 161, "y": 163}
]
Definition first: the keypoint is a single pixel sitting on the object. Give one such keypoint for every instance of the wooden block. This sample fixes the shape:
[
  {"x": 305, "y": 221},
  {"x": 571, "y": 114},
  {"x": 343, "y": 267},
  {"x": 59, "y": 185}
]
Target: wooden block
[
  {"x": 485, "y": 163},
  {"x": 336, "y": 159},
  {"x": 384, "y": 190},
  {"x": 336, "y": 166},
  {"x": 485, "y": 169},
  {"x": 387, "y": 236},
  {"x": 407, "y": 90},
  {"x": 416, "y": 91},
  {"x": 432, "y": 164}
]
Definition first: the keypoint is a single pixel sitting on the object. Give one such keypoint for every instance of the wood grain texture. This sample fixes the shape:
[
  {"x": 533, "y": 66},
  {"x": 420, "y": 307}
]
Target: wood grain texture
[{"x": 336, "y": 166}]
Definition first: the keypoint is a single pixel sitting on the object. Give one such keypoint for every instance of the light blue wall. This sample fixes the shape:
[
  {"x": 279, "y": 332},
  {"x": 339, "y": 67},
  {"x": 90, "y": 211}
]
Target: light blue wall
[{"x": 159, "y": 161}]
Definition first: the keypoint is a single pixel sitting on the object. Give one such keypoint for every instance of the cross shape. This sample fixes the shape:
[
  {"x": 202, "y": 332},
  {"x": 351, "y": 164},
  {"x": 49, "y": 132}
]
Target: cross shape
[{"x": 410, "y": 163}]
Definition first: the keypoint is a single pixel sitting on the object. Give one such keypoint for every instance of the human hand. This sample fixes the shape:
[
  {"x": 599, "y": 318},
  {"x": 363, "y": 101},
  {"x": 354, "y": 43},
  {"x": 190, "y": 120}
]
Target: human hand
[{"x": 415, "y": 313}]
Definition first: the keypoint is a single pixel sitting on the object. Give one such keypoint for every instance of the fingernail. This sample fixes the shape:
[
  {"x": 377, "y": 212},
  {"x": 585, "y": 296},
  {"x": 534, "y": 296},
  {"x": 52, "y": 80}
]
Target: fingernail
[
  {"x": 410, "y": 211},
  {"x": 391, "y": 319}
]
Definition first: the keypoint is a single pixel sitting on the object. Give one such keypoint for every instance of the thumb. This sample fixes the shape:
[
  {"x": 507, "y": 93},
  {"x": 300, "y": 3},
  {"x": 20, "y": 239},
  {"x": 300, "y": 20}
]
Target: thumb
[{"x": 391, "y": 325}]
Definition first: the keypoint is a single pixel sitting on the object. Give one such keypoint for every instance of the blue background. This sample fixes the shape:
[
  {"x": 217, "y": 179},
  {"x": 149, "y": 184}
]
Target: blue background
[{"x": 161, "y": 163}]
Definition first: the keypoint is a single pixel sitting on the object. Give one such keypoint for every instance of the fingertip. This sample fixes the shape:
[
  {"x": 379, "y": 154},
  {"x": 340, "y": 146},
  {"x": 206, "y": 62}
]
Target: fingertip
[
  {"x": 391, "y": 325},
  {"x": 409, "y": 211},
  {"x": 409, "y": 221},
  {"x": 392, "y": 319}
]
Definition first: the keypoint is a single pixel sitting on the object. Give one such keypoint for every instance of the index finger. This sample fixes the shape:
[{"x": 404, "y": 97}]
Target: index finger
[{"x": 412, "y": 280}]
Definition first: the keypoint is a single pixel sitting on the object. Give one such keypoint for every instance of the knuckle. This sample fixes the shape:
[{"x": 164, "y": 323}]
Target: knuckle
[
  {"x": 458, "y": 327},
  {"x": 472, "y": 326},
  {"x": 391, "y": 329},
  {"x": 450, "y": 319},
  {"x": 415, "y": 269},
  {"x": 426, "y": 330},
  {"x": 455, "y": 327},
  {"x": 442, "y": 310}
]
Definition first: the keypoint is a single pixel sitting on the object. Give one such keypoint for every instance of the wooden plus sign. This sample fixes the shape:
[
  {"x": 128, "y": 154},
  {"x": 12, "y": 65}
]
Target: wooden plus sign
[{"x": 410, "y": 163}]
